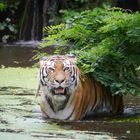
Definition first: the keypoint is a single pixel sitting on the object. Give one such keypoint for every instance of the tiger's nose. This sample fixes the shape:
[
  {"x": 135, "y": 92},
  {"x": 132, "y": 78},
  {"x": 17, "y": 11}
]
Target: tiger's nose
[
  {"x": 60, "y": 77},
  {"x": 59, "y": 81}
]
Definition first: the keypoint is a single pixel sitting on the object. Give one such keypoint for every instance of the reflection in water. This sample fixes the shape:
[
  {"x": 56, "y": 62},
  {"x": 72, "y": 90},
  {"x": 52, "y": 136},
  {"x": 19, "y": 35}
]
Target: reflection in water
[
  {"x": 16, "y": 56},
  {"x": 21, "y": 54}
]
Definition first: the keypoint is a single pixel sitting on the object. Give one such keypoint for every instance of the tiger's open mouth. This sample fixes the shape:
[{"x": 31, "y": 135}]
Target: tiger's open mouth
[{"x": 59, "y": 91}]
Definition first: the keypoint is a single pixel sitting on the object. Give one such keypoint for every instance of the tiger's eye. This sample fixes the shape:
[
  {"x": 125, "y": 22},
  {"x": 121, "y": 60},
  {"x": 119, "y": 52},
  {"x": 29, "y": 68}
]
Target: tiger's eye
[
  {"x": 67, "y": 69},
  {"x": 51, "y": 69}
]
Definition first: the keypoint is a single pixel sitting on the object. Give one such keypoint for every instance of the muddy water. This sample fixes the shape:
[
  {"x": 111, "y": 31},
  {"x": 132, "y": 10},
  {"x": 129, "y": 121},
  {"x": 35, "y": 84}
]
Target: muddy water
[
  {"x": 21, "y": 119},
  {"x": 11, "y": 56},
  {"x": 20, "y": 54}
]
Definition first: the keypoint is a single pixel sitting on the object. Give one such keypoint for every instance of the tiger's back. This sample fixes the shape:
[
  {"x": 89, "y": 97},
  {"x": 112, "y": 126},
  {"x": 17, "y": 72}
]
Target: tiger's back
[{"x": 92, "y": 99}]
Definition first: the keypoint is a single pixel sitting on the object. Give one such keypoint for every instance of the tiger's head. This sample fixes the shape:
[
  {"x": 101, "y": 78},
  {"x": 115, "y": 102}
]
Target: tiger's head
[{"x": 58, "y": 77}]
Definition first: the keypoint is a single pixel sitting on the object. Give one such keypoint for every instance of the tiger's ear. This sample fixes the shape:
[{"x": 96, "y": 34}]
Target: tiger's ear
[
  {"x": 72, "y": 58},
  {"x": 43, "y": 61}
]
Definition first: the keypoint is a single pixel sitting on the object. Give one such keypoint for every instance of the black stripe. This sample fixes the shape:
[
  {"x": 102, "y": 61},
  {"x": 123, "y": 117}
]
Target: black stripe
[
  {"x": 43, "y": 83},
  {"x": 95, "y": 98},
  {"x": 42, "y": 77},
  {"x": 74, "y": 74},
  {"x": 70, "y": 114},
  {"x": 50, "y": 103}
]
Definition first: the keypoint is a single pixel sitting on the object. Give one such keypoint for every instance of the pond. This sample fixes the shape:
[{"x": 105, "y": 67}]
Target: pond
[{"x": 20, "y": 116}]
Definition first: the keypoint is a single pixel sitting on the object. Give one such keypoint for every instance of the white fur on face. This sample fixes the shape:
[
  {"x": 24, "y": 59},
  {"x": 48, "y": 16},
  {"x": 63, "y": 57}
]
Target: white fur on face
[
  {"x": 50, "y": 64},
  {"x": 51, "y": 86}
]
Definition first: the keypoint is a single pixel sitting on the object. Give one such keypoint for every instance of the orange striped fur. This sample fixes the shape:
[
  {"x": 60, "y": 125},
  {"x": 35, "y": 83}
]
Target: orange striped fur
[
  {"x": 90, "y": 94},
  {"x": 89, "y": 97}
]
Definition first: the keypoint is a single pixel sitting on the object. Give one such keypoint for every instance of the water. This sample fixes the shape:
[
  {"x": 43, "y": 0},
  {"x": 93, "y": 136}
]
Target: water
[
  {"x": 13, "y": 55},
  {"x": 20, "y": 116},
  {"x": 20, "y": 54}
]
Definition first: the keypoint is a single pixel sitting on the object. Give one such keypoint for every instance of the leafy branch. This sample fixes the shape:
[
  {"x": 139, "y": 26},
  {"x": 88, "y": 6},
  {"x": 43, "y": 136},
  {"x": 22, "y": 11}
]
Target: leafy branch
[{"x": 107, "y": 44}]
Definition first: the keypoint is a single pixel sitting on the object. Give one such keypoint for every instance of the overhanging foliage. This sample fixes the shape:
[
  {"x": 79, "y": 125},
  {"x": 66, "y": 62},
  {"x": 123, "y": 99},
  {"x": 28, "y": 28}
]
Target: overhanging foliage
[{"x": 107, "y": 43}]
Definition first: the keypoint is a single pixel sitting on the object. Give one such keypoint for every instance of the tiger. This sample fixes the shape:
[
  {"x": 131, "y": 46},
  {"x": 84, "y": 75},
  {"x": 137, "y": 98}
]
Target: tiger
[{"x": 66, "y": 94}]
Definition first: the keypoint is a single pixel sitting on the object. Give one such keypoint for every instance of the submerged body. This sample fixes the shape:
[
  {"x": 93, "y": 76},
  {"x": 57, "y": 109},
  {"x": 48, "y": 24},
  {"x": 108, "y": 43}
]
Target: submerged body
[{"x": 66, "y": 95}]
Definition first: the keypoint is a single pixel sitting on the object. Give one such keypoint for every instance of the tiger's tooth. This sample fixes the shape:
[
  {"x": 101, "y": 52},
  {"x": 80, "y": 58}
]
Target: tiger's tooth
[{"x": 59, "y": 90}]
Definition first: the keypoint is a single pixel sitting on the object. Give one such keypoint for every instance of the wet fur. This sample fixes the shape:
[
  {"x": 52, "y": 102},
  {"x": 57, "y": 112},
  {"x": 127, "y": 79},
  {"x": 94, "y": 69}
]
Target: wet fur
[
  {"x": 88, "y": 98},
  {"x": 93, "y": 98}
]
